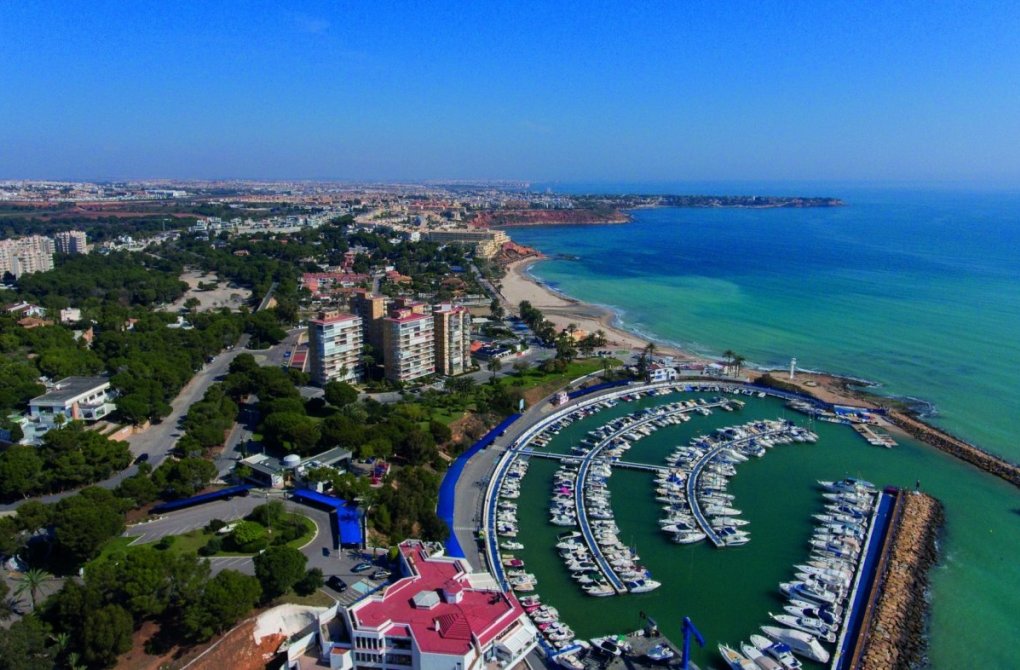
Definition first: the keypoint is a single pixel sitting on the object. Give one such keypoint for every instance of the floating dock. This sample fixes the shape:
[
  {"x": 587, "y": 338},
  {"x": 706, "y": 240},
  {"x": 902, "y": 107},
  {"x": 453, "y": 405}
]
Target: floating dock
[{"x": 874, "y": 436}]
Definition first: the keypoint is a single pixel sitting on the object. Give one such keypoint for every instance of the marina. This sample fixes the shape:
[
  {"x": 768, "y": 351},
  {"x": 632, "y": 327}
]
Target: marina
[{"x": 549, "y": 445}]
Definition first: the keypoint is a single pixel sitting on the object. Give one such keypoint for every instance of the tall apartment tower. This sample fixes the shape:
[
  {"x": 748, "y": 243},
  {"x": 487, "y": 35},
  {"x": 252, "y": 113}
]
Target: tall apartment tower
[
  {"x": 453, "y": 339},
  {"x": 371, "y": 307},
  {"x": 408, "y": 342},
  {"x": 71, "y": 242},
  {"x": 334, "y": 347}
]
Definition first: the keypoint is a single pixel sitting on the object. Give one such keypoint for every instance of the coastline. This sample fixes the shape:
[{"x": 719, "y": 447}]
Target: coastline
[
  {"x": 518, "y": 285},
  {"x": 562, "y": 310}
]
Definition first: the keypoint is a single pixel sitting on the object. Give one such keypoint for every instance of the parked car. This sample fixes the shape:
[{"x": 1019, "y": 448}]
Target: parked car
[
  {"x": 336, "y": 584},
  {"x": 142, "y": 458},
  {"x": 364, "y": 566},
  {"x": 380, "y": 575}
]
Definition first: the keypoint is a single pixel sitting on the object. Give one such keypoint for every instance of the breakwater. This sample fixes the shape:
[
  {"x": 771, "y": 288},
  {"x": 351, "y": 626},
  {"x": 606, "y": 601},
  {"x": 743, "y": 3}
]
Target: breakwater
[
  {"x": 894, "y": 637},
  {"x": 956, "y": 447}
]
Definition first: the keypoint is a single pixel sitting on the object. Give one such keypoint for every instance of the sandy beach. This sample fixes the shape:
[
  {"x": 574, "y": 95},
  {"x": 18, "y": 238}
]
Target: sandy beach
[{"x": 518, "y": 285}]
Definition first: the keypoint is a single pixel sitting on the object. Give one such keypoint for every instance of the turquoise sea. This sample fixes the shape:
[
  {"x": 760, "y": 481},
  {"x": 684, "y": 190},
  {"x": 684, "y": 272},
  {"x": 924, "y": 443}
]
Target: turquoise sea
[{"x": 918, "y": 291}]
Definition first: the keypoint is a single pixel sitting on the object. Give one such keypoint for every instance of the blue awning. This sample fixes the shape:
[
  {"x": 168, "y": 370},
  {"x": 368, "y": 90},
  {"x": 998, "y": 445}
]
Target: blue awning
[
  {"x": 347, "y": 516},
  {"x": 222, "y": 494}
]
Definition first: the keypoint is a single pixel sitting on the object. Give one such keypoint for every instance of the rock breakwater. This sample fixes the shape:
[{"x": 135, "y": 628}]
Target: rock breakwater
[{"x": 895, "y": 632}]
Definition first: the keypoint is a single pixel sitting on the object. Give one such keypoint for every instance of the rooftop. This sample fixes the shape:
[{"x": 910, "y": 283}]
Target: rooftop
[
  {"x": 416, "y": 604},
  {"x": 70, "y": 388}
]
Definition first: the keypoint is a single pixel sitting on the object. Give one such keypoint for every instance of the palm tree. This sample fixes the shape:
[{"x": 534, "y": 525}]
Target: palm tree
[
  {"x": 31, "y": 581},
  {"x": 606, "y": 366},
  {"x": 494, "y": 366},
  {"x": 734, "y": 359}
]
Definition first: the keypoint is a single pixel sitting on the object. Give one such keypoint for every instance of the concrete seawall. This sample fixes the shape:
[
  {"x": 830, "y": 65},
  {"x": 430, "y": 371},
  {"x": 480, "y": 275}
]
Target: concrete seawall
[
  {"x": 894, "y": 638},
  {"x": 957, "y": 447}
]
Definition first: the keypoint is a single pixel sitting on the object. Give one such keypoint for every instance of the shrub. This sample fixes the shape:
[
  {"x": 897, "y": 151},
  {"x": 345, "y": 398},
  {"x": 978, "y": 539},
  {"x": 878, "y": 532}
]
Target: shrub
[
  {"x": 212, "y": 547},
  {"x": 310, "y": 583},
  {"x": 166, "y": 542}
]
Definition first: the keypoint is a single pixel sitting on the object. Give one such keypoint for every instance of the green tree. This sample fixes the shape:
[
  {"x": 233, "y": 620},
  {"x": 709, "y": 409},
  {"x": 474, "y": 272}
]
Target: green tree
[
  {"x": 83, "y": 522},
  {"x": 268, "y": 514},
  {"x": 494, "y": 365},
  {"x": 21, "y": 471},
  {"x": 106, "y": 634},
  {"x": 26, "y": 645},
  {"x": 249, "y": 536},
  {"x": 310, "y": 583},
  {"x": 30, "y": 582},
  {"x": 33, "y": 515},
  {"x": 278, "y": 569},
  {"x": 340, "y": 394},
  {"x": 183, "y": 478},
  {"x": 227, "y": 597}
]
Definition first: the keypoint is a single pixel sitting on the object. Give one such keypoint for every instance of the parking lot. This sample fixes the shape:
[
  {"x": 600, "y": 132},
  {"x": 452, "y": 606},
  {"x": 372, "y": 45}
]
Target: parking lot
[{"x": 321, "y": 550}]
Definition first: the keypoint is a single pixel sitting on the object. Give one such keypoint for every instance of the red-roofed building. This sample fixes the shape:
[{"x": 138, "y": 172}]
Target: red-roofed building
[
  {"x": 322, "y": 283},
  {"x": 440, "y": 616}
]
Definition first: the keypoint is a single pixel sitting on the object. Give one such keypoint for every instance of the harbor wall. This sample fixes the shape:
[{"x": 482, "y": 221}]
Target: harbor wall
[
  {"x": 895, "y": 635},
  {"x": 956, "y": 447}
]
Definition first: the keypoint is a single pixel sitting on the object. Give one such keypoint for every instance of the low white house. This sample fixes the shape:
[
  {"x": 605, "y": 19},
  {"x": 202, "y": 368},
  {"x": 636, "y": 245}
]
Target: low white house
[
  {"x": 657, "y": 372},
  {"x": 73, "y": 398}
]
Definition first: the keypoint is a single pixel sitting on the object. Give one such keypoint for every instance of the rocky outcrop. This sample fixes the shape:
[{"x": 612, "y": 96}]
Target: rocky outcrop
[{"x": 895, "y": 634}]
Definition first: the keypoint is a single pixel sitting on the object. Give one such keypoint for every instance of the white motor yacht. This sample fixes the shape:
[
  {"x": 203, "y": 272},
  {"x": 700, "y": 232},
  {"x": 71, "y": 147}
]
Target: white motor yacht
[{"x": 804, "y": 644}]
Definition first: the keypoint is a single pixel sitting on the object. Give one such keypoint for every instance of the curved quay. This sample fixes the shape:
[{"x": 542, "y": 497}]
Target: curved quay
[
  {"x": 582, "y": 474},
  {"x": 512, "y": 452},
  {"x": 692, "y": 482}
]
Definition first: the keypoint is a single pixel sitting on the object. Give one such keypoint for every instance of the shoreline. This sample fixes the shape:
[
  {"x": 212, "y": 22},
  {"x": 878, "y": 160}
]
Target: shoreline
[
  {"x": 562, "y": 310},
  {"x": 518, "y": 284}
]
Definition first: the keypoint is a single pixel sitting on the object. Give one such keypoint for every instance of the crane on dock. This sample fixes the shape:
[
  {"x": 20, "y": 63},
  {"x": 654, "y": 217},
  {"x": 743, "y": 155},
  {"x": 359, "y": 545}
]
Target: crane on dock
[{"x": 688, "y": 628}]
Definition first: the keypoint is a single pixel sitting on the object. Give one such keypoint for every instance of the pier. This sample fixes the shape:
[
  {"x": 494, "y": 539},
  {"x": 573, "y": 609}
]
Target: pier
[
  {"x": 630, "y": 465},
  {"x": 859, "y": 600},
  {"x": 582, "y": 474},
  {"x": 692, "y": 481}
]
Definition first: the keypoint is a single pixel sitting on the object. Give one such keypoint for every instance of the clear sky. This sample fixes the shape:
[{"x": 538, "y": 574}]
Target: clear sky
[{"x": 616, "y": 91}]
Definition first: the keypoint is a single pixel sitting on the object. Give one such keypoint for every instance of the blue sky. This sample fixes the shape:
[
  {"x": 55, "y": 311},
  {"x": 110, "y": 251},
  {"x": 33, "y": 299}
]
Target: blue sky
[{"x": 784, "y": 91}]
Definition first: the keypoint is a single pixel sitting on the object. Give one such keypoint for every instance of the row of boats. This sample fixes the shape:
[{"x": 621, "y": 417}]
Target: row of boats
[
  {"x": 711, "y": 461},
  {"x": 816, "y": 597}
]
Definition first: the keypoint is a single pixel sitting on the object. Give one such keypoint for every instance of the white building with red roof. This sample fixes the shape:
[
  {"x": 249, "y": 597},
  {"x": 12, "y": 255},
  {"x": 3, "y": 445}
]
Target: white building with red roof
[{"x": 439, "y": 616}]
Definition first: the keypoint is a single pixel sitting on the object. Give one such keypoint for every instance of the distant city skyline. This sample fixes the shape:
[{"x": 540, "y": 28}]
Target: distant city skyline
[{"x": 557, "y": 92}]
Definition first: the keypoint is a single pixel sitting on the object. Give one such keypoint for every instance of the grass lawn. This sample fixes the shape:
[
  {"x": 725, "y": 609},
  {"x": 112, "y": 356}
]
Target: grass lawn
[
  {"x": 317, "y": 599},
  {"x": 550, "y": 381}
]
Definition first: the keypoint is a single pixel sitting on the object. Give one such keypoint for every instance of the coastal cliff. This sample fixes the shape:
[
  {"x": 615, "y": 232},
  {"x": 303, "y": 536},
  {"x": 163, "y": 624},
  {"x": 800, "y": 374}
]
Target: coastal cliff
[{"x": 895, "y": 636}]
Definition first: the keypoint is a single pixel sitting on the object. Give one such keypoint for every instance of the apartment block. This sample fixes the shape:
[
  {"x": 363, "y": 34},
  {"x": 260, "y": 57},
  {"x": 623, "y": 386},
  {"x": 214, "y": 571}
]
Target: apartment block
[
  {"x": 487, "y": 243},
  {"x": 26, "y": 255},
  {"x": 371, "y": 307},
  {"x": 334, "y": 347},
  {"x": 71, "y": 242},
  {"x": 408, "y": 342},
  {"x": 453, "y": 339}
]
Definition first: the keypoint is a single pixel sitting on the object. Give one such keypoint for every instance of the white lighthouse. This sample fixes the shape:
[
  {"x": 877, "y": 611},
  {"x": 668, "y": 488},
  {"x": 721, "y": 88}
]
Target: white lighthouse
[{"x": 793, "y": 367}]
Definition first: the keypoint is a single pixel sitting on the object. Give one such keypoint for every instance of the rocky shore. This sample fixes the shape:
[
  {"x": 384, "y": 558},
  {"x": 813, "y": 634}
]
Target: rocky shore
[{"x": 895, "y": 624}]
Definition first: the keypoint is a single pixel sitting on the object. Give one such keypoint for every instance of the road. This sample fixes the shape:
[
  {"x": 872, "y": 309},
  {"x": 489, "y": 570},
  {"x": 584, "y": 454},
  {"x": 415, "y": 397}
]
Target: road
[
  {"x": 158, "y": 440},
  {"x": 321, "y": 550}
]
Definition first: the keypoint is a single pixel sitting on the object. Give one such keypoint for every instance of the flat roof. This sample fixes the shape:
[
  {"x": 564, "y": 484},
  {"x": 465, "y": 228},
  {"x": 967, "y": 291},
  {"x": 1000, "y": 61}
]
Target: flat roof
[{"x": 69, "y": 388}]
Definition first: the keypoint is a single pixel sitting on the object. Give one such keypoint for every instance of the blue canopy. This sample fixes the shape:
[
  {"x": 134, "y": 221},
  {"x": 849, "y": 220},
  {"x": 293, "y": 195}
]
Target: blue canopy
[
  {"x": 222, "y": 494},
  {"x": 347, "y": 515}
]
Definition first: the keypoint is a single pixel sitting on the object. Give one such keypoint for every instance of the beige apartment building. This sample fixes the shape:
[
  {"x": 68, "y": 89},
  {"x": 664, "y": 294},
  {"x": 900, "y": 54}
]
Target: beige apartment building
[
  {"x": 25, "y": 255},
  {"x": 453, "y": 339},
  {"x": 487, "y": 243},
  {"x": 71, "y": 242},
  {"x": 371, "y": 307},
  {"x": 334, "y": 347},
  {"x": 408, "y": 342}
]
